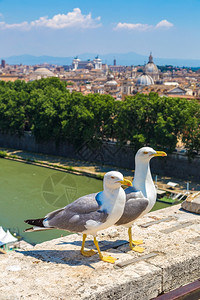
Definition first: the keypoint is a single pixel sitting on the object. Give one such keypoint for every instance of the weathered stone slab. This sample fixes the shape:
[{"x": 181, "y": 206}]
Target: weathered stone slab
[
  {"x": 56, "y": 269},
  {"x": 158, "y": 221},
  {"x": 192, "y": 203}
]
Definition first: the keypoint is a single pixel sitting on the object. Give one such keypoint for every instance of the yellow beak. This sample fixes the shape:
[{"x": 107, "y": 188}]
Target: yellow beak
[
  {"x": 160, "y": 153},
  {"x": 126, "y": 182}
]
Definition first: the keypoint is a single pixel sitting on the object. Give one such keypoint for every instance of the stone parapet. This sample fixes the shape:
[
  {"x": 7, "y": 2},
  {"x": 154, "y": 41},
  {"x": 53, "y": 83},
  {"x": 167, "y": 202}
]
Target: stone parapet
[{"x": 56, "y": 269}]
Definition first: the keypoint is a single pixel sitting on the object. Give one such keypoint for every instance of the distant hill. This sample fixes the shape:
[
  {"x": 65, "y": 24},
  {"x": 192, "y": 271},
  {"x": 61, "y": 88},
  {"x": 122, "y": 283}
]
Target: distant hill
[
  {"x": 127, "y": 59},
  {"x": 34, "y": 60}
]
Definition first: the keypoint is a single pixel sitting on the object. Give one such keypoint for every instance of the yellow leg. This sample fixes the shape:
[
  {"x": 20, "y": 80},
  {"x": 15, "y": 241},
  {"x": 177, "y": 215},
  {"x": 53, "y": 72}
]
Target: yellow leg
[
  {"x": 109, "y": 259},
  {"x": 83, "y": 252},
  {"x": 133, "y": 244}
]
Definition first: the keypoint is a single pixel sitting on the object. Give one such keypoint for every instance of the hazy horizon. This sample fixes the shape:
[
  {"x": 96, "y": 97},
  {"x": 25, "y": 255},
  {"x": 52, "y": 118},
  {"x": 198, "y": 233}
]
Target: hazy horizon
[{"x": 129, "y": 58}]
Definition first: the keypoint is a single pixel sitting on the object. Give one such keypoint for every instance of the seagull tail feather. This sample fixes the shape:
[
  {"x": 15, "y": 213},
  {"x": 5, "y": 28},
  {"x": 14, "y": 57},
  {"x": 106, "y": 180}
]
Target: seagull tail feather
[
  {"x": 35, "y": 222},
  {"x": 35, "y": 228},
  {"x": 37, "y": 225}
]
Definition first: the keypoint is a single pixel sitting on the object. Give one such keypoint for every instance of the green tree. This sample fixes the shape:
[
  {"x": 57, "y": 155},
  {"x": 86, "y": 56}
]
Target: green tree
[{"x": 191, "y": 132}]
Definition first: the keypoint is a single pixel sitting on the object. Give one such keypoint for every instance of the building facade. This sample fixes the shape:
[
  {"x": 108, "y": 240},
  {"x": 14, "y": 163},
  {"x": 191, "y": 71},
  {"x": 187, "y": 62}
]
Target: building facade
[{"x": 87, "y": 64}]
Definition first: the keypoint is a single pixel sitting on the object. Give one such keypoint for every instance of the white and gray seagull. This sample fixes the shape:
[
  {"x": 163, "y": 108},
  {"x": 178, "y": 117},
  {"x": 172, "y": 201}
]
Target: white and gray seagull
[
  {"x": 141, "y": 197},
  {"x": 90, "y": 213}
]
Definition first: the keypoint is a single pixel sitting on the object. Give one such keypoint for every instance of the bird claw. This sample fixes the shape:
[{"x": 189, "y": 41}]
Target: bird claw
[
  {"x": 88, "y": 253},
  {"x": 109, "y": 259}
]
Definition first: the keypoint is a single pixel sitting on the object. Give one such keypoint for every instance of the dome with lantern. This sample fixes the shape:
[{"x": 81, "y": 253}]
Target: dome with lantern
[{"x": 151, "y": 69}]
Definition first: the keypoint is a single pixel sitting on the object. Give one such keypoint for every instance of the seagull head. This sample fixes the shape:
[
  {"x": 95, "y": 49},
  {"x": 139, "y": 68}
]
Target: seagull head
[
  {"x": 146, "y": 153},
  {"x": 113, "y": 180}
]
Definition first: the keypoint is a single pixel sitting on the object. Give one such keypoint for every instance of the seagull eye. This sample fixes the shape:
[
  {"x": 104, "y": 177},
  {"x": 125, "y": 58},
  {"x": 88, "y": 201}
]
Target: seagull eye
[
  {"x": 145, "y": 152},
  {"x": 112, "y": 177}
]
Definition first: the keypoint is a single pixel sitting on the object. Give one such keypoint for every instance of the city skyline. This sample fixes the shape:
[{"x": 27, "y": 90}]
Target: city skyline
[{"x": 168, "y": 29}]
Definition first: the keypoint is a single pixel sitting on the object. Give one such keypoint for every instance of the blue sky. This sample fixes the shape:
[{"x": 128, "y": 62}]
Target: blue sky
[{"x": 170, "y": 29}]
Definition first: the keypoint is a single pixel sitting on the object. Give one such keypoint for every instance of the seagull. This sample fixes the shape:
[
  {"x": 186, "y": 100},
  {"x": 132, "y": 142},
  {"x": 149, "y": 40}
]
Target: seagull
[
  {"x": 90, "y": 213},
  {"x": 141, "y": 196}
]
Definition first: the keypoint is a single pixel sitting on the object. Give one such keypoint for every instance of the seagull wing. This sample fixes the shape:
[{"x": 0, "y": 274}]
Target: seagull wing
[
  {"x": 74, "y": 216},
  {"x": 135, "y": 205}
]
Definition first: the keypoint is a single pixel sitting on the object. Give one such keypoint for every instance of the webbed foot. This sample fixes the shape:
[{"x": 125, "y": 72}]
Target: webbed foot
[
  {"x": 109, "y": 259},
  {"x": 137, "y": 249}
]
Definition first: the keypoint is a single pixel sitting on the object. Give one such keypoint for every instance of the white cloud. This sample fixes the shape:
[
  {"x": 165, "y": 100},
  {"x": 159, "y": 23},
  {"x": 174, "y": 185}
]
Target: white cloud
[
  {"x": 23, "y": 25},
  {"x": 143, "y": 27},
  {"x": 71, "y": 19},
  {"x": 164, "y": 24}
]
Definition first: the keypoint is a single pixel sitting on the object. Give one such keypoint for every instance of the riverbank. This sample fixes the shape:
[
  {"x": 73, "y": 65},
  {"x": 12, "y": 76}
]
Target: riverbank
[
  {"x": 171, "y": 259},
  {"x": 86, "y": 168}
]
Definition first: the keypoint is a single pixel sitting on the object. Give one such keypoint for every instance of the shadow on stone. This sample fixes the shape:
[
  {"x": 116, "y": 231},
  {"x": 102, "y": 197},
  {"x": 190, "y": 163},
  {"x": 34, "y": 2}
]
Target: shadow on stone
[
  {"x": 104, "y": 245},
  {"x": 72, "y": 257},
  {"x": 68, "y": 257}
]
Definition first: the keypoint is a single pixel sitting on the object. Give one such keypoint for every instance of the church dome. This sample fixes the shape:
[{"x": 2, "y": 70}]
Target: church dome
[
  {"x": 144, "y": 80},
  {"x": 151, "y": 69},
  {"x": 43, "y": 72},
  {"x": 111, "y": 83},
  {"x": 111, "y": 80}
]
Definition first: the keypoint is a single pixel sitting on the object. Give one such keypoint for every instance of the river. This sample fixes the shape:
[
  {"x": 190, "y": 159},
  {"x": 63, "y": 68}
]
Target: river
[{"x": 29, "y": 191}]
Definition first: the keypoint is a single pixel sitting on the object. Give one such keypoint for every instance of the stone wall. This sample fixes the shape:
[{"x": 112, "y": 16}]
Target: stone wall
[
  {"x": 56, "y": 270},
  {"x": 175, "y": 165}
]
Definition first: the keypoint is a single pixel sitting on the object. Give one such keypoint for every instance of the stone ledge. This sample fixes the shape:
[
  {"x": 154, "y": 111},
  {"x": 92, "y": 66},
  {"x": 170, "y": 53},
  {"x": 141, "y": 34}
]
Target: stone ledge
[
  {"x": 192, "y": 203},
  {"x": 56, "y": 270}
]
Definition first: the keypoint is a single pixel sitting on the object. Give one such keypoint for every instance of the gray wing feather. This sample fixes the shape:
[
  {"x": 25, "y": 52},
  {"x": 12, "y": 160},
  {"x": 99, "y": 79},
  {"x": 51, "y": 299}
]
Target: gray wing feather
[
  {"x": 84, "y": 204},
  {"x": 136, "y": 203},
  {"x": 74, "y": 216}
]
